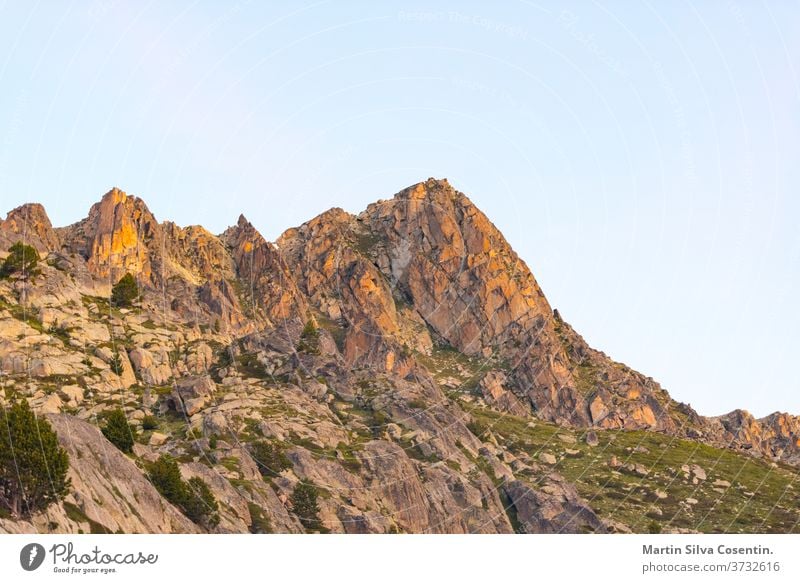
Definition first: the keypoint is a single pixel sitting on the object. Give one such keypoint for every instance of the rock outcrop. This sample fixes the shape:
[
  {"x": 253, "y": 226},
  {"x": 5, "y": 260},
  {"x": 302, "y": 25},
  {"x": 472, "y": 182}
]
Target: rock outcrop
[
  {"x": 116, "y": 238},
  {"x": 30, "y": 224},
  {"x": 109, "y": 492}
]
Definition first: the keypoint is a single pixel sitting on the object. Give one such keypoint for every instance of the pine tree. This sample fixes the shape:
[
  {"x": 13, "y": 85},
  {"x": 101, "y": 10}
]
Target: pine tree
[
  {"x": 304, "y": 504},
  {"x": 199, "y": 504},
  {"x": 166, "y": 477},
  {"x": 118, "y": 431},
  {"x": 124, "y": 292},
  {"x": 22, "y": 259},
  {"x": 270, "y": 458},
  {"x": 33, "y": 466},
  {"x": 194, "y": 497}
]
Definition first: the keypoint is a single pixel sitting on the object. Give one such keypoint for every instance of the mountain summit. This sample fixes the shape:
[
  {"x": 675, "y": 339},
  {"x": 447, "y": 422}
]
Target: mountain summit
[{"x": 404, "y": 360}]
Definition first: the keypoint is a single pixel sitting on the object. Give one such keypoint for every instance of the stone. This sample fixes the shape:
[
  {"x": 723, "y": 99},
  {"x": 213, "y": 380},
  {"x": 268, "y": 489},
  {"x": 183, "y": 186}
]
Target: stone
[
  {"x": 394, "y": 431},
  {"x": 547, "y": 458},
  {"x": 31, "y": 224},
  {"x": 698, "y": 472},
  {"x": 553, "y": 508},
  {"x": 591, "y": 439},
  {"x": 494, "y": 393},
  {"x": 51, "y": 404},
  {"x": 71, "y": 394},
  {"x": 158, "y": 438},
  {"x": 598, "y": 409},
  {"x": 152, "y": 366}
]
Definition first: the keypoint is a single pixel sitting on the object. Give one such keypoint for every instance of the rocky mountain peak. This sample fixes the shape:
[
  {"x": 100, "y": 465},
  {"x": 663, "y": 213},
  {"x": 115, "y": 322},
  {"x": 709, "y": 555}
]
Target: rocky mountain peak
[
  {"x": 432, "y": 187},
  {"x": 115, "y": 237},
  {"x": 270, "y": 288},
  {"x": 457, "y": 268},
  {"x": 29, "y": 223}
]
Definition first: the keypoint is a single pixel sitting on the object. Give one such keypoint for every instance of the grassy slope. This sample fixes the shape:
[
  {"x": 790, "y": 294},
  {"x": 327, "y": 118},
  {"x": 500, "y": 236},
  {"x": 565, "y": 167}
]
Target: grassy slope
[{"x": 761, "y": 498}]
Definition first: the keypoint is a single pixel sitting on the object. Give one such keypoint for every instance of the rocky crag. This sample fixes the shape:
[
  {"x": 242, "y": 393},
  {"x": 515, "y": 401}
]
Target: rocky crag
[{"x": 404, "y": 359}]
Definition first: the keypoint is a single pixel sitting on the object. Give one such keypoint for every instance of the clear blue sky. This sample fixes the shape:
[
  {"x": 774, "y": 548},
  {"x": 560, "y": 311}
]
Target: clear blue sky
[{"x": 643, "y": 158}]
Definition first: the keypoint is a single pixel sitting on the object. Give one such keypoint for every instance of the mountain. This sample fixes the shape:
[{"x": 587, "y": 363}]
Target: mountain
[{"x": 403, "y": 362}]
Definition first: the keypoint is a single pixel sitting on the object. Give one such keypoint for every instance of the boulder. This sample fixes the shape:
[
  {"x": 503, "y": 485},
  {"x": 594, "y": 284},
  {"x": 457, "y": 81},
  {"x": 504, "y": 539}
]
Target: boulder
[
  {"x": 552, "y": 508},
  {"x": 547, "y": 458}
]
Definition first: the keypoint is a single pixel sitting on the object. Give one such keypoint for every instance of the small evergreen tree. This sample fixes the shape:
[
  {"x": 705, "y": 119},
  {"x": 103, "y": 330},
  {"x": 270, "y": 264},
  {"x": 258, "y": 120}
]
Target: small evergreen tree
[
  {"x": 124, "y": 292},
  {"x": 118, "y": 431},
  {"x": 309, "y": 338},
  {"x": 270, "y": 458},
  {"x": 22, "y": 259},
  {"x": 304, "y": 504},
  {"x": 116, "y": 364},
  {"x": 166, "y": 477},
  {"x": 194, "y": 497},
  {"x": 33, "y": 466},
  {"x": 149, "y": 422},
  {"x": 200, "y": 505},
  {"x": 259, "y": 522}
]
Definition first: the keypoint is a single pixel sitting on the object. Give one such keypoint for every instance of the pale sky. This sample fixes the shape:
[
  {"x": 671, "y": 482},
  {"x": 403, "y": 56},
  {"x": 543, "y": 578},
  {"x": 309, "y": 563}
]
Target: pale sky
[{"x": 641, "y": 157}]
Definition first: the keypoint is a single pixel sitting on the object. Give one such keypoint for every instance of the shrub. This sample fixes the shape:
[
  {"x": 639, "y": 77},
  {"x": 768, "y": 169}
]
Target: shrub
[
  {"x": 199, "y": 503},
  {"x": 33, "y": 466},
  {"x": 194, "y": 497},
  {"x": 116, "y": 364},
  {"x": 212, "y": 441},
  {"x": 22, "y": 259},
  {"x": 304, "y": 504},
  {"x": 166, "y": 477},
  {"x": 654, "y": 527},
  {"x": 149, "y": 422},
  {"x": 477, "y": 428},
  {"x": 118, "y": 432},
  {"x": 124, "y": 292},
  {"x": 270, "y": 458},
  {"x": 259, "y": 522},
  {"x": 309, "y": 338}
]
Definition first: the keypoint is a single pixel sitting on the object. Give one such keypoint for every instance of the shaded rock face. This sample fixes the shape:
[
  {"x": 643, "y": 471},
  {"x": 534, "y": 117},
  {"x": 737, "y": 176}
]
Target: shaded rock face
[
  {"x": 194, "y": 254},
  {"x": 349, "y": 291},
  {"x": 267, "y": 284},
  {"x": 775, "y": 436}
]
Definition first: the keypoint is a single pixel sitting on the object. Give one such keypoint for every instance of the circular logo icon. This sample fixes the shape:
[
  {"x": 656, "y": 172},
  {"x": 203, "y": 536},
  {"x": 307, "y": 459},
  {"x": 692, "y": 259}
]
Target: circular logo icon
[{"x": 31, "y": 556}]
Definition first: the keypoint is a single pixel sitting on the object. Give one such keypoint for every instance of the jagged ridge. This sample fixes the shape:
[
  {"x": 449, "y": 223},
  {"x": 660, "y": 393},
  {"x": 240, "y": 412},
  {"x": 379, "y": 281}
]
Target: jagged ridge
[{"x": 409, "y": 281}]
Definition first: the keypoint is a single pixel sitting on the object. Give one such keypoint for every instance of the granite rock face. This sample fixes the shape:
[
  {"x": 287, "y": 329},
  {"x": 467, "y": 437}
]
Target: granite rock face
[{"x": 29, "y": 223}]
